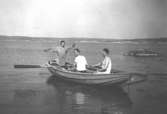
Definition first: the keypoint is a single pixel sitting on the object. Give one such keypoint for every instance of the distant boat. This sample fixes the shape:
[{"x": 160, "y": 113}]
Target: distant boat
[
  {"x": 89, "y": 78},
  {"x": 142, "y": 53}
]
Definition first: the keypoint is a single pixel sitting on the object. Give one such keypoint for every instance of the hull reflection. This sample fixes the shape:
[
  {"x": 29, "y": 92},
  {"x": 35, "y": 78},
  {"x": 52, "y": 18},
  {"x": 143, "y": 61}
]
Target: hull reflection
[{"x": 84, "y": 99}]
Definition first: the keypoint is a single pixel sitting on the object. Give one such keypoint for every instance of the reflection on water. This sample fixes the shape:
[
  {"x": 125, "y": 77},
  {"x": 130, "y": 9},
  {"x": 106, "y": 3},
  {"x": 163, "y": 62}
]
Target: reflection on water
[
  {"x": 83, "y": 99},
  {"x": 79, "y": 98}
]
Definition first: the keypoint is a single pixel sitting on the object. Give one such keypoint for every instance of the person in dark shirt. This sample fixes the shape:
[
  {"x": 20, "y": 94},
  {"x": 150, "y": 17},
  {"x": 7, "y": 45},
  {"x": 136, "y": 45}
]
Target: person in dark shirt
[{"x": 70, "y": 54}]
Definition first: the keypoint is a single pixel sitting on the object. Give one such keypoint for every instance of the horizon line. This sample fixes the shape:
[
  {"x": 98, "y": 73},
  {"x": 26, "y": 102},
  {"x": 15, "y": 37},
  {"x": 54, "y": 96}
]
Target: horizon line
[{"x": 51, "y": 37}]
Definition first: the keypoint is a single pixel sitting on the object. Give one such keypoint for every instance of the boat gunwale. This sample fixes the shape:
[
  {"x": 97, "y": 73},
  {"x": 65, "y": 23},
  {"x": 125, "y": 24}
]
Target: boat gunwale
[{"x": 78, "y": 75}]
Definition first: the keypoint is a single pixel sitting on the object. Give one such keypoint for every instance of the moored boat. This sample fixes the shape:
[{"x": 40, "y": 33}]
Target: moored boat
[
  {"x": 90, "y": 77},
  {"x": 142, "y": 53}
]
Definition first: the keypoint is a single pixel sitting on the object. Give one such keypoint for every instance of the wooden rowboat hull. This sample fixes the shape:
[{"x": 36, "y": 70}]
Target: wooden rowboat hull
[{"x": 89, "y": 78}]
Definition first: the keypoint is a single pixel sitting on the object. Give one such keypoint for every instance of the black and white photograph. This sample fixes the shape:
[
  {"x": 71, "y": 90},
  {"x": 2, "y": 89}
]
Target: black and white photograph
[{"x": 83, "y": 56}]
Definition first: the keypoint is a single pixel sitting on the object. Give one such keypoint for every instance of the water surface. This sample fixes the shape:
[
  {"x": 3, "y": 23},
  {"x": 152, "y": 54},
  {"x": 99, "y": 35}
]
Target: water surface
[{"x": 36, "y": 91}]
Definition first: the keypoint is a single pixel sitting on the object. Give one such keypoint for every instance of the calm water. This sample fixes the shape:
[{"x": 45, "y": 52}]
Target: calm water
[{"x": 36, "y": 91}]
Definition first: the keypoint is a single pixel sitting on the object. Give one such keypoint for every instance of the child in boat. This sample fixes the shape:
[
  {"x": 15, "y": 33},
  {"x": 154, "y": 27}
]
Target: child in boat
[{"x": 105, "y": 66}]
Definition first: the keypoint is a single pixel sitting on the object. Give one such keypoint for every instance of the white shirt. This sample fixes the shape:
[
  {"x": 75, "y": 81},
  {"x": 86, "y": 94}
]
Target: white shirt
[
  {"x": 106, "y": 64},
  {"x": 80, "y": 63}
]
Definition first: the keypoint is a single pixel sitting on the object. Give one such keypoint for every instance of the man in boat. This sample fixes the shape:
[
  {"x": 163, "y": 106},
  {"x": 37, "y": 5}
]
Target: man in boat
[
  {"x": 59, "y": 54},
  {"x": 80, "y": 61},
  {"x": 105, "y": 66}
]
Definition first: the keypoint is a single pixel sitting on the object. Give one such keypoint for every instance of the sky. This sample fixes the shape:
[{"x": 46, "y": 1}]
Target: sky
[{"x": 116, "y": 19}]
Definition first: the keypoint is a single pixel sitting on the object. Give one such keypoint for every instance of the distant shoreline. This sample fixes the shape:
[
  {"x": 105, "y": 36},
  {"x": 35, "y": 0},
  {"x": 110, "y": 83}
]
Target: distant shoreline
[{"x": 5, "y": 37}]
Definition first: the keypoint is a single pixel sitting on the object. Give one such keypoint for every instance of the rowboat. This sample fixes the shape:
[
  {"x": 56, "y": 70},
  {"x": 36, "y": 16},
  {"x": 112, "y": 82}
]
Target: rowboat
[
  {"x": 115, "y": 77},
  {"x": 90, "y": 77}
]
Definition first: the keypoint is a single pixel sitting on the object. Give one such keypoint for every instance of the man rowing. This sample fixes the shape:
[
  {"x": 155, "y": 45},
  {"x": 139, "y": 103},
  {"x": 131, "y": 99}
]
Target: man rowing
[{"x": 106, "y": 65}]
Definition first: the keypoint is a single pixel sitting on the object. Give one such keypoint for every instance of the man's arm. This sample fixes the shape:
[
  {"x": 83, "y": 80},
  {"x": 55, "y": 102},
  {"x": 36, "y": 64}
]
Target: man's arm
[
  {"x": 97, "y": 65},
  {"x": 47, "y": 50},
  {"x": 51, "y": 50},
  {"x": 105, "y": 66}
]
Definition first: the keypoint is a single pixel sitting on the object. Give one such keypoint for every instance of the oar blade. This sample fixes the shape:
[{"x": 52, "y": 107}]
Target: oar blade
[{"x": 27, "y": 66}]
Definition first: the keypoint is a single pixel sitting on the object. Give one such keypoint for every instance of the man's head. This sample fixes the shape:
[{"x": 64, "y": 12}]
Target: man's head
[
  {"x": 105, "y": 52},
  {"x": 77, "y": 52},
  {"x": 62, "y": 43}
]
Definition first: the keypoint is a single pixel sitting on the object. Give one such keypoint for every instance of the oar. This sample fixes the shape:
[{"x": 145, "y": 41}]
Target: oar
[
  {"x": 28, "y": 66},
  {"x": 36, "y": 66}
]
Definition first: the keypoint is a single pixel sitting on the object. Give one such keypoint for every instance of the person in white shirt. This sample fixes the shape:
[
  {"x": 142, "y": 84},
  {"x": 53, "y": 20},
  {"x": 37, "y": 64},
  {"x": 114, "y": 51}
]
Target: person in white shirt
[
  {"x": 106, "y": 65},
  {"x": 80, "y": 61}
]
